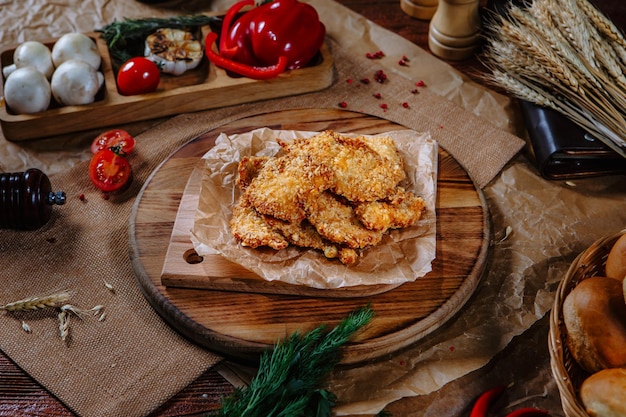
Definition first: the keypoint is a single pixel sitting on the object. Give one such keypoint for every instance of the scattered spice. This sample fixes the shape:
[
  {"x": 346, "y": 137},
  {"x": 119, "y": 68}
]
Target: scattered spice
[
  {"x": 375, "y": 55},
  {"x": 452, "y": 348},
  {"x": 82, "y": 197},
  {"x": 343, "y": 104},
  {"x": 378, "y": 95},
  {"x": 404, "y": 61},
  {"x": 349, "y": 80},
  {"x": 384, "y": 106},
  {"x": 380, "y": 76},
  {"x": 420, "y": 83},
  {"x": 405, "y": 105},
  {"x": 365, "y": 80},
  {"x": 105, "y": 196},
  {"x": 415, "y": 91}
]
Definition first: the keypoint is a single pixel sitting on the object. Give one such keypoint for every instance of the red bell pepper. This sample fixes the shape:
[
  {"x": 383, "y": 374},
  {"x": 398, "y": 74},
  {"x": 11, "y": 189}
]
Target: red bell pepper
[{"x": 267, "y": 40}]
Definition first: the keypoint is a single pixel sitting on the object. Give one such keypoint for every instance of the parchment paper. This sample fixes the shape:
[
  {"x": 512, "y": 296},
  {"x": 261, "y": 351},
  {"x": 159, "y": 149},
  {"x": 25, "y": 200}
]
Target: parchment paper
[{"x": 404, "y": 254}]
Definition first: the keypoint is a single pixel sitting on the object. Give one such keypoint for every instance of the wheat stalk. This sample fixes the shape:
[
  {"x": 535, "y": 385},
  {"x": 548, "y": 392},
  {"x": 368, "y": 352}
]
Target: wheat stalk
[
  {"x": 64, "y": 324},
  {"x": 604, "y": 25},
  {"x": 565, "y": 55},
  {"x": 37, "y": 303}
]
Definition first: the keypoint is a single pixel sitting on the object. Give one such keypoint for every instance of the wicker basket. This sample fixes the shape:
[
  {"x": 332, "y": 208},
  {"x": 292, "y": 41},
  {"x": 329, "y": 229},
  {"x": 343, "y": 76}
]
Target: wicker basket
[{"x": 568, "y": 375}]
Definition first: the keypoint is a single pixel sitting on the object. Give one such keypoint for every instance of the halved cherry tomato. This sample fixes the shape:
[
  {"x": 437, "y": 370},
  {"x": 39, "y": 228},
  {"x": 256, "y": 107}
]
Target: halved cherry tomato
[
  {"x": 109, "y": 171},
  {"x": 119, "y": 139},
  {"x": 138, "y": 75}
]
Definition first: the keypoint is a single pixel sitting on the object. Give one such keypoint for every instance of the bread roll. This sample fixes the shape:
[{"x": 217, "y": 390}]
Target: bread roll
[
  {"x": 616, "y": 260},
  {"x": 604, "y": 393},
  {"x": 594, "y": 314}
]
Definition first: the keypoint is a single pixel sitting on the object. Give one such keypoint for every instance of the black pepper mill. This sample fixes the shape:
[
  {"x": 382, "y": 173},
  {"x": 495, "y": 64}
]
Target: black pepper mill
[{"x": 26, "y": 199}]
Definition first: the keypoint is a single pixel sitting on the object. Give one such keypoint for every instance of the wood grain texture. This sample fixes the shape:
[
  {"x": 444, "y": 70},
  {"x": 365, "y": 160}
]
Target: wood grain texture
[{"x": 241, "y": 325}]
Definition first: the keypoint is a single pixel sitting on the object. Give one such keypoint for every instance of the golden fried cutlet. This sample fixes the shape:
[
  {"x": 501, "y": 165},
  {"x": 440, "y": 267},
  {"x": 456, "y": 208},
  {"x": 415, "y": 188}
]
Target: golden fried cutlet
[
  {"x": 401, "y": 210},
  {"x": 364, "y": 169},
  {"x": 283, "y": 182},
  {"x": 304, "y": 235},
  {"x": 250, "y": 229},
  {"x": 363, "y": 174},
  {"x": 337, "y": 222},
  {"x": 249, "y": 168}
]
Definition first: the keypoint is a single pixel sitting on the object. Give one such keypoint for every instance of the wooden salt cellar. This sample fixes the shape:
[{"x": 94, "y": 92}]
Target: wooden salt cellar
[
  {"x": 420, "y": 9},
  {"x": 26, "y": 200},
  {"x": 454, "y": 31}
]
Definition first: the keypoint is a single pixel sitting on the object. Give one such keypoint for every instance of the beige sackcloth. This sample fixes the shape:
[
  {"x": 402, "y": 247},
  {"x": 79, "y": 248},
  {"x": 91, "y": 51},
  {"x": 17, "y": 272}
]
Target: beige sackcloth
[{"x": 131, "y": 362}]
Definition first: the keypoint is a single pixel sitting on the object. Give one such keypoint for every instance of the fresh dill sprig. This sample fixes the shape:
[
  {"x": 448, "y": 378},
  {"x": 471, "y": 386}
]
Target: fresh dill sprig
[
  {"x": 288, "y": 382},
  {"x": 126, "y": 38}
]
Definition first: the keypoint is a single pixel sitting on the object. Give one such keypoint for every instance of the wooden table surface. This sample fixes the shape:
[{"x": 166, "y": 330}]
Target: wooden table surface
[{"x": 20, "y": 395}]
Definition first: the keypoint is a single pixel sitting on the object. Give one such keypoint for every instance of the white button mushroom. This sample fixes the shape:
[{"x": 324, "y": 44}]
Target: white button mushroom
[
  {"x": 27, "y": 90},
  {"x": 32, "y": 53},
  {"x": 75, "y": 82},
  {"x": 76, "y": 46}
]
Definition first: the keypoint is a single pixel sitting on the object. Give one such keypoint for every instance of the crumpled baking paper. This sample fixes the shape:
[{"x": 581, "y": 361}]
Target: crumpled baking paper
[{"x": 404, "y": 254}]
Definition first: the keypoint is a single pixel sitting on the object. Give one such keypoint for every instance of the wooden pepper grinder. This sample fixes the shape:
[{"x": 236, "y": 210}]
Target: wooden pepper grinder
[
  {"x": 454, "y": 31},
  {"x": 419, "y": 9},
  {"x": 26, "y": 199}
]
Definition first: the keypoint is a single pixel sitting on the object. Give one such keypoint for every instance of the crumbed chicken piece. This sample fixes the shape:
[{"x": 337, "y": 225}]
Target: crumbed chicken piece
[
  {"x": 362, "y": 174},
  {"x": 402, "y": 209},
  {"x": 304, "y": 235},
  {"x": 284, "y": 182},
  {"x": 250, "y": 229},
  {"x": 364, "y": 169},
  {"x": 348, "y": 256},
  {"x": 337, "y": 222},
  {"x": 249, "y": 168}
]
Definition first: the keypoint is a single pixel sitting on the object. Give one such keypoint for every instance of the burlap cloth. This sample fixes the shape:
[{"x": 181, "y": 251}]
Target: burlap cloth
[{"x": 129, "y": 363}]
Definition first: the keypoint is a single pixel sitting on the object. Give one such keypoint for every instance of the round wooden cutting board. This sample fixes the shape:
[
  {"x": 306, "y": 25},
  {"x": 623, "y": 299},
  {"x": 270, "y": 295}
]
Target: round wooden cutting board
[{"x": 240, "y": 325}]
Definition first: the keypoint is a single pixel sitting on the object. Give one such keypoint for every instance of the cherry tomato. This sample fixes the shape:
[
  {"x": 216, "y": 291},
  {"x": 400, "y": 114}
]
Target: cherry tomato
[
  {"x": 109, "y": 171},
  {"x": 138, "y": 75},
  {"x": 122, "y": 142}
]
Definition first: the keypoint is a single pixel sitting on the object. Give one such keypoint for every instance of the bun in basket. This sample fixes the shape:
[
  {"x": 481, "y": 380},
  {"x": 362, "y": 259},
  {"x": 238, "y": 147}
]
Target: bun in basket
[
  {"x": 616, "y": 259},
  {"x": 604, "y": 393},
  {"x": 594, "y": 314}
]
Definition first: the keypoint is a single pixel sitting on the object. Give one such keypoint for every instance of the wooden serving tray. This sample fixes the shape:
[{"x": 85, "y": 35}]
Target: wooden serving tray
[
  {"x": 241, "y": 324},
  {"x": 204, "y": 87}
]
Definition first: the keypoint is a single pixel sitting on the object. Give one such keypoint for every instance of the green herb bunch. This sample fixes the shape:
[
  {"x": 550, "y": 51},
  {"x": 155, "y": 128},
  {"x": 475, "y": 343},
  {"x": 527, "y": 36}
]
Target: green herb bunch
[
  {"x": 126, "y": 38},
  {"x": 290, "y": 377}
]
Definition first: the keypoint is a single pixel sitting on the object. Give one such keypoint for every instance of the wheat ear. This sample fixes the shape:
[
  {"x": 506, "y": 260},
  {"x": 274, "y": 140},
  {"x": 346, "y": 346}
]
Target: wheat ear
[{"x": 37, "y": 303}]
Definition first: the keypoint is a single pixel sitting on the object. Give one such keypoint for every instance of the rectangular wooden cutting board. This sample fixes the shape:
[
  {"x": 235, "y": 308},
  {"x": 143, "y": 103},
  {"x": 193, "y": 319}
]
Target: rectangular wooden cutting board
[{"x": 184, "y": 268}]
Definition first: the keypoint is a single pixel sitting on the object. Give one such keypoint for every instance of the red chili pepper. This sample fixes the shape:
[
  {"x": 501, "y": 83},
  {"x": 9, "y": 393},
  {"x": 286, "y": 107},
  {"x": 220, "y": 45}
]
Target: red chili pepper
[
  {"x": 528, "y": 412},
  {"x": 282, "y": 34},
  {"x": 484, "y": 401}
]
